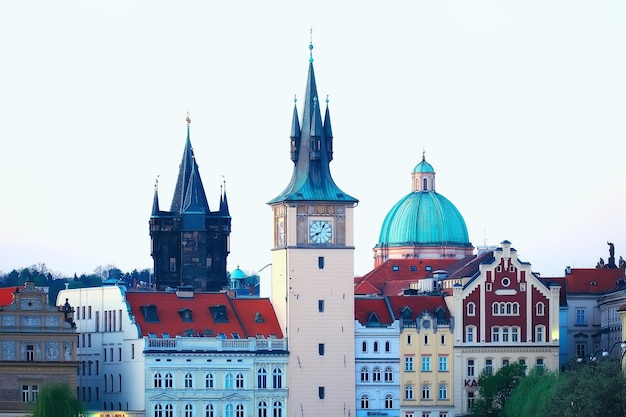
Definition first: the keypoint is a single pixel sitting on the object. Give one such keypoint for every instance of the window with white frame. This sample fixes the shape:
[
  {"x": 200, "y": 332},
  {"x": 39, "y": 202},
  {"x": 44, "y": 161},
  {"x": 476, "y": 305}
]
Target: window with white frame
[
  {"x": 157, "y": 381},
  {"x": 261, "y": 409},
  {"x": 408, "y": 392},
  {"x": 495, "y": 334},
  {"x": 540, "y": 333},
  {"x": 443, "y": 363},
  {"x": 443, "y": 392},
  {"x": 471, "y": 370},
  {"x": 365, "y": 374},
  {"x": 425, "y": 392},
  {"x": 489, "y": 366},
  {"x": 365, "y": 401},
  {"x": 376, "y": 374},
  {"x": 388, "y": 374},
  {"x": 239, "y": 381},
  {"x": 581, "y": 350},
  {"x": 471, "y": 308},
  {"x": 209, "y": 411},
  {"x": 29, "y": 393},
  {"x": 425, "y": 363},
  {"x": 277, "y": 378},
  {"x": 158, "y": 410},
  {"x": 581, "y": 319},
  {"x": 277, "y": 409},
  {"x": 169, "y": 380},
  {"x": 408, "y": 363},
  {"x": 169, "y": 410},
  {"x": 229, "y": 381},
  {"x": 188, "y": 410},
  {"x": 540, "y": 308},
  {"x": 388, "y": 401},
  {"x": 188, "y": 381},
  {"x": 261, "y": 378},
  {"x": 470, "y": 333}
]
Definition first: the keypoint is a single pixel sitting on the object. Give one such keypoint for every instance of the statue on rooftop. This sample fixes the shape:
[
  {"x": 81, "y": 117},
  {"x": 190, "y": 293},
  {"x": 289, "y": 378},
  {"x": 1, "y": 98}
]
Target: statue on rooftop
[{"x": 611, "y": 262}]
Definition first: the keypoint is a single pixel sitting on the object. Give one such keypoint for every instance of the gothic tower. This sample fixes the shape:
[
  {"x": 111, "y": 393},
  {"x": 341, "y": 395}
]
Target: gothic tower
[
  {"x": 313, "y": 269},
  {"x": 190, "y": 243}
]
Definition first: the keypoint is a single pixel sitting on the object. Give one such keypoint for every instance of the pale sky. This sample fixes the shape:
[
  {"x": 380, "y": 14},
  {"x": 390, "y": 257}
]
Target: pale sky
[{"x": 520, "y": 107}]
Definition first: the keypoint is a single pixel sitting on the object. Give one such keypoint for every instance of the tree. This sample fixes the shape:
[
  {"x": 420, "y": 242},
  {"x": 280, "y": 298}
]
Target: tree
[
  {"x": 495, "y": 390},
  {"x": 57, "y": 400},
  {"x": 533, "y": 395}
]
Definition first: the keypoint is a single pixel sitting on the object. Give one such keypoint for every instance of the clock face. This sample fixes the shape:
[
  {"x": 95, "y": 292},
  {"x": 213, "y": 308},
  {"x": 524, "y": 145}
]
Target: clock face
[{"x": 320, "y": 231}]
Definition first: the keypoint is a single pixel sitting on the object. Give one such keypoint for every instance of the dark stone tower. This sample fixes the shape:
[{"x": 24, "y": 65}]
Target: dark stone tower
[{"x": 190, "y": 243}]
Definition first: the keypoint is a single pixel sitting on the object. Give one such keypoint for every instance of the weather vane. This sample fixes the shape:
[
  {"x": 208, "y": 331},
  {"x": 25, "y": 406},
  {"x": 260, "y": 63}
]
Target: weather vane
[{"x": 188, "y": 119}]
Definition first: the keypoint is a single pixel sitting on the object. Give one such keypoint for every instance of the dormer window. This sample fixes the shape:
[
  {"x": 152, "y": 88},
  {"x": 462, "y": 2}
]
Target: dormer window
[
  {"x": 149, "y": 313},
  {"x": 395, "y": 268},
  {"x": 219, "y": 313},
  {"x": 185, "y": 314},
  {"x": 258, "y": 318},
  {"x": 373, "y": 320}
]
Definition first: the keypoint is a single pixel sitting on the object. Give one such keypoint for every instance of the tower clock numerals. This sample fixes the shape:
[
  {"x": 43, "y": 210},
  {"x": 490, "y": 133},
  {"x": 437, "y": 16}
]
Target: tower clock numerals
[{"x": 320, "y": 231}]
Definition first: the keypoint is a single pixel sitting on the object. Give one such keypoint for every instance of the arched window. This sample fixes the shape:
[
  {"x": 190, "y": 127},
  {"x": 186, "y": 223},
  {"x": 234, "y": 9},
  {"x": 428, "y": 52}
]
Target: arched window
[
  {"x": 261, "y": 409},
  {"x": 209, "y": 411},
  {"x": 158, "y": 410},
  {"x": 229, "y": 411},
  {"x": 425, "y": 392},
  {"x": 188, "y": 381},
  {"x": 387, "y": 347},
  {"x": 261, "y": 377},
  {"x": 156, "y": 381},
  {"x": 169, "y": 410},
  {"x": 277, "y": 409},
  {"x": 376, "y": 374},
  {"x": 239, "y": 381},
  {"x": 365, "y": 374},
  {"x": 375, "y": 347},
  {"x": 408, "y": 392},
  {"x": 471, "y": 309},
  {"x": 239, "y": 410},
  {"x": 277, "y": 378},
  {"x": 515, "y": 309},
  {"x": 119, "y": 377},
  {"x": 228, "y": 382},
  {"x": 365, "y": 401},
  {"x": 540, "y": 309},
  {"x": 364, "y": 346},
  {"x": 388, "y": 374},
  {"x": 188, "y": 410},
  {"x": 169, "y": 381},
  {"x": 209, "y": 381},
  {"x": 106, "y": 384},
  {"x": 388, "y": 401},
  {"x": 443, "y": 392}
]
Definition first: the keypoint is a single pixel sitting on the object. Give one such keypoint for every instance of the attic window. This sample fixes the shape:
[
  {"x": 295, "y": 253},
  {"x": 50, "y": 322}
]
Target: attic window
[
  {"x": 222, "y": 335},
  {"x": 593, "y": 283},
  {"x": 185, "y": 314},
  {"x": 429, "y": 268},
  {"x": 373, "y": 320},
  {"x": 235, "y": 335},
  {"x": 189, "y": 333},
  {"x": 258, "y": 318},
  {"x": 219, "y": 313},
  {"x": 149, "y": 313},
  {"x": 406, "y": 313},
  {"x": 395, "y": 268},
  {"x": 413, "y": 268}
]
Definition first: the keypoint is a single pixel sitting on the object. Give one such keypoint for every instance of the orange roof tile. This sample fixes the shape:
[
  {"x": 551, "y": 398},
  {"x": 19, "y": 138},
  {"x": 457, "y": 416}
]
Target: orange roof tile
[
  {"x": 418, "y": 305},
  {"x": 365, "y": 306},
  {"x": 6, "y": 295},
  {"x": 592, "y": 280}
]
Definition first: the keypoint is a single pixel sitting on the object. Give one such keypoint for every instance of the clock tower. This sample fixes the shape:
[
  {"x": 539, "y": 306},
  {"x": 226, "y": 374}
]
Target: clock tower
[{"x": 313, "y": 269}]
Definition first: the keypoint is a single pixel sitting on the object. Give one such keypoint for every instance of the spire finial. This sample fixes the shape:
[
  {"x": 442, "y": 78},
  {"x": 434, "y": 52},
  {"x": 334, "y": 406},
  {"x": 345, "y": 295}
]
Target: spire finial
[
  {"x": 188, "y": 119},
  {"x": 311, "y": 46},
  {"x": 423, "y": 154},
  {"x": 156, "y": 181},
  {"x": 295, "y": 99},
  {"x": 327, "y": 100}
]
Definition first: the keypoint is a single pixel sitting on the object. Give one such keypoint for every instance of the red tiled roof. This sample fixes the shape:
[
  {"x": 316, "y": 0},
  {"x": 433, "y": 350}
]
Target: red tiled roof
[
  {"x": 365, "y": 306},
  {"x": 418, "y": 305},
  {"x": 592, "y": 280},
  {"x": 242, "y": 318},
  {"x": 6, "y": 295},
  {"x": 400, "y": 270}
]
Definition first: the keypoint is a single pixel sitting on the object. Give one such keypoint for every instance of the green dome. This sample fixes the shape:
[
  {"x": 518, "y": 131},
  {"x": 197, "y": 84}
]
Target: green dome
[
  {"x": 423, "y": 218},
  {"x": 424, "y": 167},
  {"x": 237, "y": 274}
]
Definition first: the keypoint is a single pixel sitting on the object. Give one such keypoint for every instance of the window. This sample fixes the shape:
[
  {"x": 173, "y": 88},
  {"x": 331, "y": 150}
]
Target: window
[
  {"x": 581, "y": 349},
  {"x": 522, "y": 286},
  {"x": 375, "y": 347},
  {"x": 376, "y": 374},
  {"x": 505, "y": 362},
  {"x": 157, "y": 381},
  {"x": 539, "y": 363},
  {"x": 30, "y": 353},
  {"x": 408, "y": 363},
  {"x": 320, "y": 392},
  {"x": 539, "y": 309},
  {"x": 489, "y": 366},
  {"x": 209, "y": 411},
  {"x": 169, "y": 381},
  {"x": 261, "y": 377},
  {"x": 188, "y": 410},
  {"x": 514, "y": 334},
  {"x": 228, "y": 381},
  {"x": 320, "y": 262},
  {"x": 506, "y": 282},
  {"x": 470, "y": 367},
  {"x": 580, "y": 317},
  {"x": 469, "y": 333},
  {"x": 239, "y": 410},
  {"x": 540, "y": 333},
  {"x": 443, "y": 363},
  {"x": 505, "y": 309},
  {"x": 505, "y": 334},
  {"x": 320, "y": 349},
  {"x": 387, "y": 347},
  {"x": 388, "y": 401},
  {"x": 364, "y": 347},
  {"x": 425, "y": 340},
  {"x": 443, "y": 392},
  {"x": 443, "y": 340},
  {"x": 495, "y": 334},
  {"x": 471, "y": 309},
  {"x": 365, "y": 374},
  {"x": 277, "y": 409},
  {"x": 158, "y": 410},
  {"x": 229, "y": 411},
  {"x": 261, "y": 409},
  {"x": 408, "y": 339},
  {"x": 239, "y": 381},
  {"x": 488, "y": 286},
  {"x": 277, "y": 378},
  {"x": 209, "y": 381},
  {"x": 408, "y": 392},
  {"x": 365, "y": 402},
  {"x": 388, "y": 374},
  {"x": 425, "y": 392},
  {"x": 169, "y": 410},
  {"x": 470, "y": 400},
  {"x": 29, "y": 393},
  {"x": 425, "y": 363},
  {"x": 320, "y": 306},
  {"x": 188, "y": 381},
  {"x": 172, "y": 264},
  {"x": 522, "y": 362}
]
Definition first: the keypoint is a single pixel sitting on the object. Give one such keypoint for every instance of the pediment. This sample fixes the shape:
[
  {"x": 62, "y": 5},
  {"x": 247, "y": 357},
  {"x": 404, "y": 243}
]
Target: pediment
[
  {"x": 163, "y": 396},
  {"x": 236, "y": 397}
]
